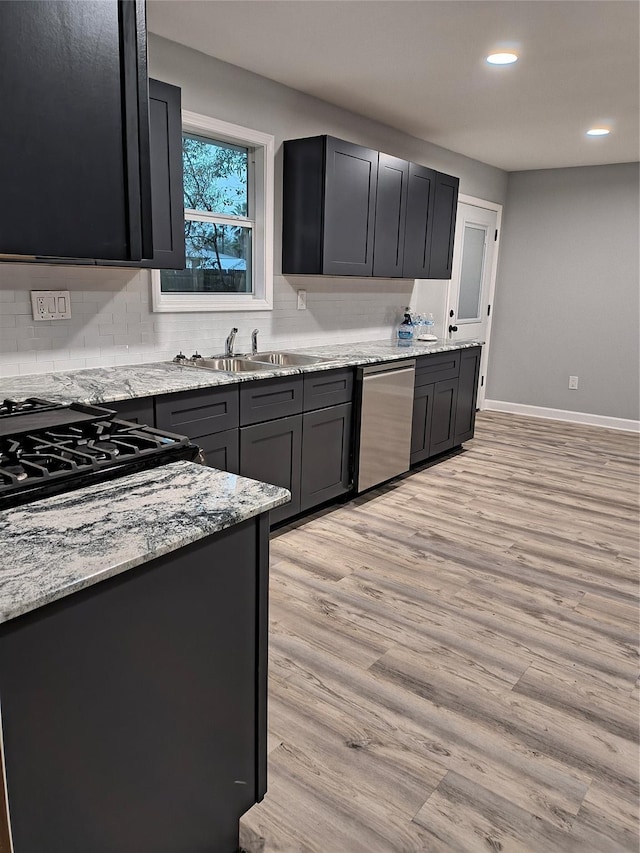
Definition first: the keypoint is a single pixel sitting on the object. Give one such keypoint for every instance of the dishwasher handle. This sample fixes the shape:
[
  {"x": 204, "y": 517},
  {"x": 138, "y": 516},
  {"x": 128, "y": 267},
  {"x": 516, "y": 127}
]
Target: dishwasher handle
[{"x": 372, "y": 369}]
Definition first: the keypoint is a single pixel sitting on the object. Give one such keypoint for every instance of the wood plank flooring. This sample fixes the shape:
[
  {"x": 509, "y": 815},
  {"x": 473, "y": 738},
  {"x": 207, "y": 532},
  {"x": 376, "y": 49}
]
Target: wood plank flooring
[{"x": 454, "y": 658}]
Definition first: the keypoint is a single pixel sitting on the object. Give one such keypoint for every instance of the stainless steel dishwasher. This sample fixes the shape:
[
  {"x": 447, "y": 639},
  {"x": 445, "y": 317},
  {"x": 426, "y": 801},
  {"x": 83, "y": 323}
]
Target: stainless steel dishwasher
[{"x": 386, "y": 410}]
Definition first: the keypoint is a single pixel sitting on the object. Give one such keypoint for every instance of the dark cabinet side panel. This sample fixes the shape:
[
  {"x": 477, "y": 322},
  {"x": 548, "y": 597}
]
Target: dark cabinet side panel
[
  {"x": 326, "y": 447},
  {"x": 443, "y": 417},
  {"x": 270, "y": 452},
  {"x": 467, "y": 392},
  {"x": 302, "y": 205},
  {"x": 350, "y": 204},
  {"x": 391, "y": 216},
  {"x": 421, "y": 423},
  {"x": 131, "y": 709},
  {"x": 444, "y": 226},
  {"x": 417, "y": 239},
  {"x": 72, "y": 147}
]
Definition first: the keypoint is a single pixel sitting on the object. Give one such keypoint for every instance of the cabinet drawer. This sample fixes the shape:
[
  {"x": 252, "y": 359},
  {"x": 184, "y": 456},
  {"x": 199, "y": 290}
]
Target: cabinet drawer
[
  {"x": 139, "y": 411},
  {"x": 327, "y": 388},
  {"x": 198, "y": 413},
  {"x": 435, "y": 368},
  {"x": 268, "y": 399}
]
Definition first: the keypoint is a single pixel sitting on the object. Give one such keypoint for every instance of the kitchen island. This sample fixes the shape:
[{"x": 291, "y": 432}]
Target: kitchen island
[{"x": 133, "y": 650}]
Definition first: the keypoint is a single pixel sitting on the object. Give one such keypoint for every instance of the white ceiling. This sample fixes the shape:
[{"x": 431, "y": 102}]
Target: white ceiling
[{"x": 418, "y": 65}]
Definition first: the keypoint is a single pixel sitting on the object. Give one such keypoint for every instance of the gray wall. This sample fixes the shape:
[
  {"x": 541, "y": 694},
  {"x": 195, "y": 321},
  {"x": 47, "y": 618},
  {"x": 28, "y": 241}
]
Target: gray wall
[
  {"x": 567, "y": 297},
  {"x": 226, "y": 92}
]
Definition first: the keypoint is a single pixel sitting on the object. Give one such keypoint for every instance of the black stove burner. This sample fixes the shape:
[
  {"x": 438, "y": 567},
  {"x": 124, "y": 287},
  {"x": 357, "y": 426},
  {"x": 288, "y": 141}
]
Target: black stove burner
[{"x": 74, "y": 446}]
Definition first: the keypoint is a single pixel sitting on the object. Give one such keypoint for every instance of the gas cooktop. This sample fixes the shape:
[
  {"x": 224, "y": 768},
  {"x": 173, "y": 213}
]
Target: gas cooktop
[{"x": 48, "y": 448}]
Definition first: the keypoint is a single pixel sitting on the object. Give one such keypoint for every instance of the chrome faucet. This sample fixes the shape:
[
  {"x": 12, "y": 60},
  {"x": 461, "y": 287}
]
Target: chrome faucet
[
  {"x": 228, "y": 349},
  {"x": 254, "y": 341}
]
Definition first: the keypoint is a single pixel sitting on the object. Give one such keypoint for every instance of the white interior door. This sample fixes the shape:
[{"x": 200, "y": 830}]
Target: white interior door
[{"x": 473, "y": 278}]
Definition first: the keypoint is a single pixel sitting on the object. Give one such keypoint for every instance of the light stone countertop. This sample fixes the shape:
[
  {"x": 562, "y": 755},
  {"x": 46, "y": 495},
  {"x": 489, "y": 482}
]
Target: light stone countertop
[
  {"x": 64, "y": 543},
  {"x": 110, "y": 384}
]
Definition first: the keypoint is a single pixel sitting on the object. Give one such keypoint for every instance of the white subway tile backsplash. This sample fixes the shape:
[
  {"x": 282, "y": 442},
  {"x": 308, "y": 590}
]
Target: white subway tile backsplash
[{"x": 112, "y": 321}]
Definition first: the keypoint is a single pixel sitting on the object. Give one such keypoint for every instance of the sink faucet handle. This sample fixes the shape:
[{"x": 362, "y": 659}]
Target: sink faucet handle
[
  {"x": 230, "y": 339},
  {"x": 254, "y": 341}
]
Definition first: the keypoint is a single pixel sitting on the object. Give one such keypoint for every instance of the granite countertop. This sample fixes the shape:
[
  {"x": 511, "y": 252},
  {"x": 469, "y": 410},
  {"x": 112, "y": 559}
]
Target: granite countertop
[
  {"x": 59, "y": 545},
  {"x": 110, "y": 384}
]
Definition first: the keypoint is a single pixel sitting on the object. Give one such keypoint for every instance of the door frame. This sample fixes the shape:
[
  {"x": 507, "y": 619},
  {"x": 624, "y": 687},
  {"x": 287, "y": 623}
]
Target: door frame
[{"x": 486, "y": 205}]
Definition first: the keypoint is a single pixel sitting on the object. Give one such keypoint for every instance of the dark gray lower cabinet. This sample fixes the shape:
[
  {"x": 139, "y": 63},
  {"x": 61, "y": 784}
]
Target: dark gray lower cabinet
[
  {"x": 271, "y": 452},
  {"x": 326, "y": 444},
  {"x": 421, "y": 423},
  {"x": 444, "y": 402},
  {"x": 134, "y": 711},
  {"x": 445, "y": 396},
  {"x": 467, "y": 392}
]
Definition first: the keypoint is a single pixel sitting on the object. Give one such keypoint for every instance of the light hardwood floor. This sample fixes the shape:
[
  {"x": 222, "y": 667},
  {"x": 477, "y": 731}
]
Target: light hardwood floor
[{"x": 453, "y": 658}]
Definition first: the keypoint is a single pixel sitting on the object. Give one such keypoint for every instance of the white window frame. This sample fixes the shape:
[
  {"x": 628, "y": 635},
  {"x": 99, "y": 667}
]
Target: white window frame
[{"x": 263, "y": 146}]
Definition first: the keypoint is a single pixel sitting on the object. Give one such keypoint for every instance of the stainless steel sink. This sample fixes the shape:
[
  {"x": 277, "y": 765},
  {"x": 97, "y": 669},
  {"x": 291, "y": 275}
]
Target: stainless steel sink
[
  {"x": 285, "y": 359},
  {"x": 228, "y": 364}
]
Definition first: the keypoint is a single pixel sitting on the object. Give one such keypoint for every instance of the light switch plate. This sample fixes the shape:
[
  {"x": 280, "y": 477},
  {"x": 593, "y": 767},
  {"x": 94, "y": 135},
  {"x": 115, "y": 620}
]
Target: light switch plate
[
  {"x": 51, "y": 304},
  {"x": 302, "y": 300}
]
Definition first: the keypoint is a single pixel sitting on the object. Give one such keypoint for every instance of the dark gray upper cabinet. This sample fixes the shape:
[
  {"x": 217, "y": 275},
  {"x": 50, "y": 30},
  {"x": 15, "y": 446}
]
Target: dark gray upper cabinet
[
  {"x": 165, "y": 132},
  {"x": 444, "y": 226},
  {"x": 391, "y": 216},
  {"x": 74, "y": 150},
  {"x": 349, "y": 210},
  {"x": 417, "y": 240},
  {"x": 329, "y": 201}
]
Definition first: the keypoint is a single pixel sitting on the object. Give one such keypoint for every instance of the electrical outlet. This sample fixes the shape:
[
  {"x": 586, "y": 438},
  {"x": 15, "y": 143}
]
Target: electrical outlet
[
  {"x": 51, "y": 304},
  {"x": 573, "y": 383},
  {"x": 302, "y": 300}
]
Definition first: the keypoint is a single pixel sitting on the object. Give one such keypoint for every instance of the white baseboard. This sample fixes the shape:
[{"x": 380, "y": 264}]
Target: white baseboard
[{"x": 562, "y": 415}]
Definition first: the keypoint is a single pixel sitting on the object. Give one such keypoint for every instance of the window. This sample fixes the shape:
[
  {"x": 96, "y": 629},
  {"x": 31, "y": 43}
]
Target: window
[{"x": 228, "y": 200}]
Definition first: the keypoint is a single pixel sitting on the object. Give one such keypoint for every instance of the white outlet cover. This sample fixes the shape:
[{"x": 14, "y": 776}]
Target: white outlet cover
[
  {"x": 302, "y": 300},
  {"x": 51, "y": 304}
]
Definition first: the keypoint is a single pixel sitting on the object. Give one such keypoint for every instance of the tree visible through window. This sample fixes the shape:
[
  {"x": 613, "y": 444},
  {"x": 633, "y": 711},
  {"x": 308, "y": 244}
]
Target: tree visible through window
[{"x": 218, "y": 219}]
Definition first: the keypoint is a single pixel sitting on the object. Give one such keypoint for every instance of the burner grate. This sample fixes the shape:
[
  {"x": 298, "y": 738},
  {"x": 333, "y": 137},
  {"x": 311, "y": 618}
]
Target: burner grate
[{"x": 74, "y": 447}]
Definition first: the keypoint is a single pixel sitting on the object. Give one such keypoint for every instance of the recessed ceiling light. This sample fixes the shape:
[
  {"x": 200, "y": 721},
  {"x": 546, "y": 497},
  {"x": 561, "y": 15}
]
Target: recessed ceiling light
[
  {"x": 502, "y": 58},
  {"x": 598, "y": 131}
]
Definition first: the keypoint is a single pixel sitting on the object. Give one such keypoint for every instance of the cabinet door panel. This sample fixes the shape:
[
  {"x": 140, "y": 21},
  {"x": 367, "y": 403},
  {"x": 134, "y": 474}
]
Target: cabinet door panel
[
  {"x": 270, "y": 452},
  {"x": 222, "y": 450},
  {"x": 443, "y": 419},
  {"x": 391, "y": 216},
  {"x": 350, "y": 204},
  {"x": 444, "y": 226},
  {"x": 74, "y": 146},
  {"x": 417, "y": 241},
  {"x": 165, "y": 129},
  {"x": 326, "y": 447},
  {"x": 421, "y": 423},
  {"x": 467, "y": 391}
]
